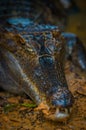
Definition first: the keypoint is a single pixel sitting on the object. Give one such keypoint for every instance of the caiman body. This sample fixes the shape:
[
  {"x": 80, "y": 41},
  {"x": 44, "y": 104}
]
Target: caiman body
[{"x": 32, "y": 62}]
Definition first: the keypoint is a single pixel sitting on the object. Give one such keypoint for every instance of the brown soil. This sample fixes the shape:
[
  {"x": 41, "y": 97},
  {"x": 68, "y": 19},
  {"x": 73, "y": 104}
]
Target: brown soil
[{"x": 18, "y": 117}]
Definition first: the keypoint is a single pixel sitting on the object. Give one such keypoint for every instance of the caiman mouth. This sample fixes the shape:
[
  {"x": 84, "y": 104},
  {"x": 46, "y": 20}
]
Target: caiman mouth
[
  {"x": 58, "y": 114},
  {"x": 55, "y": 113},
  {"x": 61, "y": 114}
]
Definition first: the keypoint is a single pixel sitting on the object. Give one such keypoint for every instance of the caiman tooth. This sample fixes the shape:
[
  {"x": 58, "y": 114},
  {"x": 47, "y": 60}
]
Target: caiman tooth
[
  {"x": 57, "y": 110},
  {"x": 66, "y": 110},
  {"x": 70, "y": 110}
]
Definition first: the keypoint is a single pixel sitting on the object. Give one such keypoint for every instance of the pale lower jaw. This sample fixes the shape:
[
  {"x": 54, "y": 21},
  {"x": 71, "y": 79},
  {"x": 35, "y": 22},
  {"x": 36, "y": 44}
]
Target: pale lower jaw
[
  {"x": 58, "y": 115},
  {"x": 61, "y": 115}
]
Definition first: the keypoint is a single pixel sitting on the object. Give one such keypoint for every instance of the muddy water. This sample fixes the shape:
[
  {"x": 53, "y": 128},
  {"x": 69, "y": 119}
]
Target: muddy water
[{"x": 20, "y": 117}]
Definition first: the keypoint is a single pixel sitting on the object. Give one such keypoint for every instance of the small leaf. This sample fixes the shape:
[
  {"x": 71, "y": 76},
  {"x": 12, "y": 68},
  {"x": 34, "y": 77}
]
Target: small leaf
[{"x": 28, "y": 105}]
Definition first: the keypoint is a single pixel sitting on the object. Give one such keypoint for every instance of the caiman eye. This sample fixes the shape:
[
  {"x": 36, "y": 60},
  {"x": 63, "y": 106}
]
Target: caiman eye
[
  {"x": 29, "y": 49},
  {"x": 50, "y": 45}
]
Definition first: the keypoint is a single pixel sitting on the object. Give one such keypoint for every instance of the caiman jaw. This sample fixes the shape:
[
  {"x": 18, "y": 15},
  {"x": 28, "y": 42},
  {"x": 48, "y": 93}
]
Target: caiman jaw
[{"x": 62, "y": 113}]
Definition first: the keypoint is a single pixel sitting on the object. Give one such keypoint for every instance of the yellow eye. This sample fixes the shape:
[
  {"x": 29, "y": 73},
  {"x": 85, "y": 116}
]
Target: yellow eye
[{"x": 29, "y": 48}]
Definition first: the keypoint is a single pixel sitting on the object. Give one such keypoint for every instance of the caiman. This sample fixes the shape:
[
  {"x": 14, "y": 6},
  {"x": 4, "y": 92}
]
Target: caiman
[{"x": 32, "y": 57}]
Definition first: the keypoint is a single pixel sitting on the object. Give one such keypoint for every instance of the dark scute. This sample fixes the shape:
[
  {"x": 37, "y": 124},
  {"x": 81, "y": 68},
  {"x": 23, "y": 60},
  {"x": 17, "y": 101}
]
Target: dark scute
[{"x": 46, "y": 61}]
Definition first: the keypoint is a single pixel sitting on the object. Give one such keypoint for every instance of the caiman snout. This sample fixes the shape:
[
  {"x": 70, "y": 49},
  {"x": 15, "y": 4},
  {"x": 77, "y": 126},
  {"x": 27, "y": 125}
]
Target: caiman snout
[
  {"x": 58, "y": 98},
  {"x": 62, "y": 98},
  {"x": 63, "y": 101},
  {"x": 61, "y": 105}
]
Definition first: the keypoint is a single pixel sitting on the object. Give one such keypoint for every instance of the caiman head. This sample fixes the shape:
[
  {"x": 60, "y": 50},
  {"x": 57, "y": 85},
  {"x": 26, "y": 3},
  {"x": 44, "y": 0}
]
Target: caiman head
[
  {"x": 37, "y": 64},
  {"x": 46, "y": 67}
]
